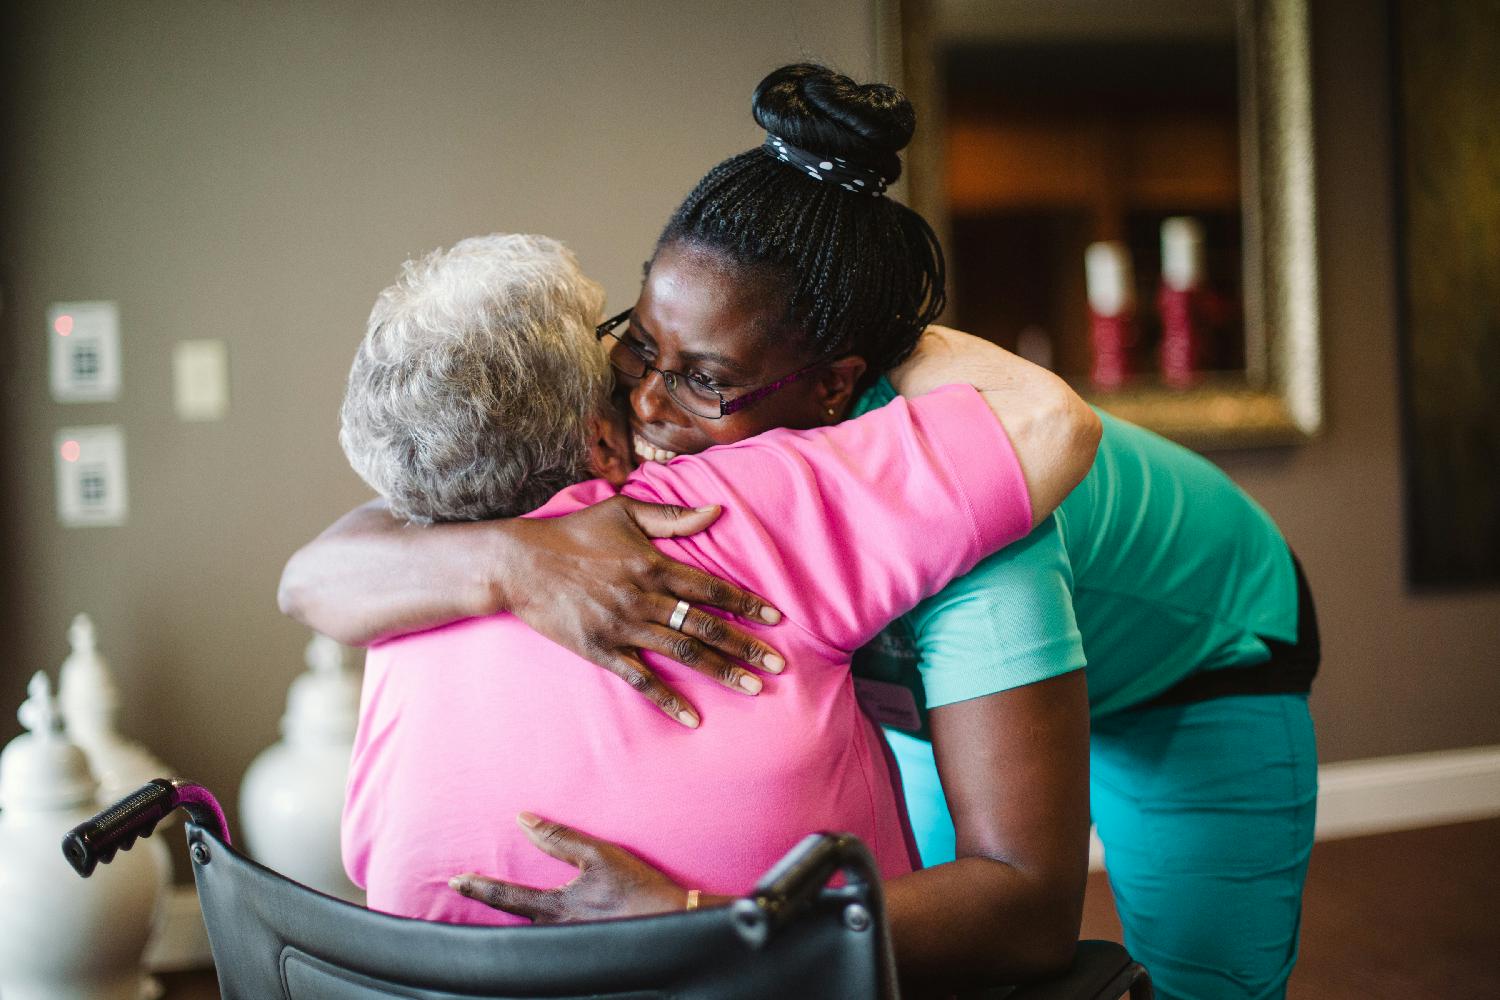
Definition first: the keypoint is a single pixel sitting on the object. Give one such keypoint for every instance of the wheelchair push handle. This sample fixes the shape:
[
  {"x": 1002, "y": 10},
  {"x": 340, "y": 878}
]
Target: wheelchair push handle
[
  {"x": 117, "y": 828},
  {"x": 797, "y": 880},
  {"x": 806, "y": 869}
]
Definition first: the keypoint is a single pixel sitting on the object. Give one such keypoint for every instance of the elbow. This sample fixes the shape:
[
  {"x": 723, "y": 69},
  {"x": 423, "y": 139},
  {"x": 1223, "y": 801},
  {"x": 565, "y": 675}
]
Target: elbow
[
  {"x": 1092, "y": 430},
  {"x": 1084, "y": 430},
  {"x": 1063, "y": 446},
  {"x": 290, "y": 598},
  {"x": 1050, "y": 942},
  {"x": 1075, "y": 432},
  {"x": 296, "y": 602},
  {"x": 1054, "y": 956},
  {"x": 1059, "y": 918},
  {"x": 1033, "y": 954},
  {"x": 1045, "y": 941},
  {"x": 296, "y": 597}
]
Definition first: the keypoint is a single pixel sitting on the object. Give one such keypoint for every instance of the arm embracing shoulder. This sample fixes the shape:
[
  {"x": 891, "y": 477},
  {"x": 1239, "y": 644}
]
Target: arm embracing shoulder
[
  {"x": 1054, "y": 432},
  {"x": 370, "y": 576},
  {"x": 582, "y": 580}
]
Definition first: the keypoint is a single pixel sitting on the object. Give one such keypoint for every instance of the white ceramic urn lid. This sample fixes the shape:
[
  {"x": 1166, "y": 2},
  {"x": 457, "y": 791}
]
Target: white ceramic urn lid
[
  {"x": 41, "y": 770},
  {"x": 85, "y": 687},
  {"x": 90, "y": 704},
  {"x": 323, "y": 703}
]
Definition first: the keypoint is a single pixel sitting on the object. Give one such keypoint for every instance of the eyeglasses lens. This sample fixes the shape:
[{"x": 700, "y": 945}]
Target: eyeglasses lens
[
  {"x": 695, "y": 397},
  {"x": 687, "y": 393},
  {"x": 625, "y": 360}
]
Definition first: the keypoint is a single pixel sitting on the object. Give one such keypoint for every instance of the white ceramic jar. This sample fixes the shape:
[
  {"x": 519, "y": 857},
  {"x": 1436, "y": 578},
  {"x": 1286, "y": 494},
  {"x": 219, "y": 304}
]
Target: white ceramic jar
[
  {"x": 91, "y": 708},
  {"x": 63, "y": 937},
  {"x": 292, "y": 798},
  {"x": 90, "y": 705}
]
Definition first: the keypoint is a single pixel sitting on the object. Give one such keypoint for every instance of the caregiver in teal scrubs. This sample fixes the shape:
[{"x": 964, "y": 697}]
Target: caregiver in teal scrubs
[
  {"x": 1159, "y": 605},
  {"x": 1178, "y": 597}
]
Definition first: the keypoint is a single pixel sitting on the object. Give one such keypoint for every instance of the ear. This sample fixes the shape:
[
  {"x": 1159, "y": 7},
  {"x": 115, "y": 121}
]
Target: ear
[
  {"x": 837, "y": 385},
  {"x": 609, "y": 448}
]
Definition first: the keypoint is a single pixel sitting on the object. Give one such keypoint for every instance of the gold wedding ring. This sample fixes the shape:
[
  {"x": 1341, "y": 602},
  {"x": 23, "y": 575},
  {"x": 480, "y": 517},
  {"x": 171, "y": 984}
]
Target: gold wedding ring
[{"x": 679, "y": 615}]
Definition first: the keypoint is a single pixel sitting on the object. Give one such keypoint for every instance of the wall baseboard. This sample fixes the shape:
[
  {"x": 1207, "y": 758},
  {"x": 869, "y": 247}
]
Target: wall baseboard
[
  {"x": 1385, "y": 794},
  {"x": 1399, "y": 793}
]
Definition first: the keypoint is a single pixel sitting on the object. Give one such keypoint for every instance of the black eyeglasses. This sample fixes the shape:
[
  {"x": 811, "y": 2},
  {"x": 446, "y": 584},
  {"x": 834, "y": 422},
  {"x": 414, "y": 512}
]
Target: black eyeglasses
[{"x": 689, "y": 392}]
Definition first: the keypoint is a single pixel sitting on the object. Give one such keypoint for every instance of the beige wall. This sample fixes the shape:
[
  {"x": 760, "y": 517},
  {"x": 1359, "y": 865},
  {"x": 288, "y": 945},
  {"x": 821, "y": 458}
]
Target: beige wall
[{"x": 256, "y": 173}]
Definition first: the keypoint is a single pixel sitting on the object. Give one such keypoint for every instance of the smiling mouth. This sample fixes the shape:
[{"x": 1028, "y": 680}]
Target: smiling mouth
[{"x": 648, "y": 452}]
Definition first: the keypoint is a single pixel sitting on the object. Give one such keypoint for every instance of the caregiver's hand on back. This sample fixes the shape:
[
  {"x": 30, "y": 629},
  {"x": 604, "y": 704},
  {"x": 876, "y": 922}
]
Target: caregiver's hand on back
[{"x": 620, "y": 599}]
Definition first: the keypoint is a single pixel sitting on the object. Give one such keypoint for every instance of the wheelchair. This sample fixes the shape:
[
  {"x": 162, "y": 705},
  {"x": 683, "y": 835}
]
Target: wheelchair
[{"x": 797, "y": 936}]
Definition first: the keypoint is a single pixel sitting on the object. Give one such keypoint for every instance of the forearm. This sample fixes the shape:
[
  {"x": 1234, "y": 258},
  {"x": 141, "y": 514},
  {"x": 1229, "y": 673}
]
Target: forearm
[
  {"x": 370, "y": 576},
  {"x": 978, "y": 922},
  {"x": 1014, "y": 771}
]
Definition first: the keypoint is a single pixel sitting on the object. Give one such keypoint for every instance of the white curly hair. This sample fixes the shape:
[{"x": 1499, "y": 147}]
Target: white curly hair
[{"x": 472, "y": 392}]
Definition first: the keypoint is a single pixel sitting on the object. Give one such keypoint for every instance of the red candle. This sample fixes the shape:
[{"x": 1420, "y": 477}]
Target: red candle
[
  {"x": 1181, "y": 301},
  {"x": 1111, "y": 292}
]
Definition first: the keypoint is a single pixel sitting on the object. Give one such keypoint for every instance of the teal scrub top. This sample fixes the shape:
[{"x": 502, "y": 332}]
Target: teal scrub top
[{"x": 1155, "y": 567}]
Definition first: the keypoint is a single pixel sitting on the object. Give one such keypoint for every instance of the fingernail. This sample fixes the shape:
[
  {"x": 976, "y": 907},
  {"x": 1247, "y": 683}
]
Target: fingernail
[
  {"x": 688, "y": 719},
  {"x": 458, "y": 883},
  {"x": 773, "y": 663},
  {"x": 769, "y": 615},
  {"x": 750, "y": 684},
  {"x": 528, "y": 819},
  {"x": 704, "y": 510}
]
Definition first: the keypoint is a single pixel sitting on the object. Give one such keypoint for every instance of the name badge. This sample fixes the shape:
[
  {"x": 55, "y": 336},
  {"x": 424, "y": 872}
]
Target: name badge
[{"x": 888, "y": 704}]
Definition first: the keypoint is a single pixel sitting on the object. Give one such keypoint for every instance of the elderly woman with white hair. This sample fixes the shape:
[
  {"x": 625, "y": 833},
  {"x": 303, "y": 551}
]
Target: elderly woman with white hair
[
  {"x": 481, "y": 391},
  {"x": 479, "y": 387}
]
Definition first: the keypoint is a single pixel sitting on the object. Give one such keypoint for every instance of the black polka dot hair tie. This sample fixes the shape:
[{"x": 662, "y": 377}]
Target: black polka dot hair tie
[{"x": 835, "y": 170}]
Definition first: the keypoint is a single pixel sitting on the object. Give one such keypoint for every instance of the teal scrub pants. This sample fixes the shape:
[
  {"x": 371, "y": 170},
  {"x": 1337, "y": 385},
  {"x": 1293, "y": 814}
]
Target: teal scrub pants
[{"x": 1206, "y": 814}]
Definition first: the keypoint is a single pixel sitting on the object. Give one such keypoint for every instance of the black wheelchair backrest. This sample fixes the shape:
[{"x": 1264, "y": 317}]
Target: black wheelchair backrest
[{"x": 795, "y": 936}]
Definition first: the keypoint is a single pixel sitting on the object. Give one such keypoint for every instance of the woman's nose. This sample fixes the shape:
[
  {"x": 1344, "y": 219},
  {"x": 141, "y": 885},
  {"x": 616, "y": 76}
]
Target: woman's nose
[{"x": 650, "y": 401}]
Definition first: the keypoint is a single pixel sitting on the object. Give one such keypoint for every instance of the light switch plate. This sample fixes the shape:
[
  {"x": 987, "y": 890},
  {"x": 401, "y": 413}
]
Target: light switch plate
[
  {"x": 200, "y": 379},
  {"x": 90, "y": 476},
  {"x": 85, "y": 363}
]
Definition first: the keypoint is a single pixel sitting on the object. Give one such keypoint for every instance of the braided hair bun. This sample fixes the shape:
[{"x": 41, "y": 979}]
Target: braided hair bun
[
  {"x": 829, "y": 114},
  {"x": 856, "y": 273}
]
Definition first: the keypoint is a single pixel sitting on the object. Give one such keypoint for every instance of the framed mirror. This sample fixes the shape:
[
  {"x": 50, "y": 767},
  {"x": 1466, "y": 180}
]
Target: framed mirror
[{"x": 1125, "y": 192}]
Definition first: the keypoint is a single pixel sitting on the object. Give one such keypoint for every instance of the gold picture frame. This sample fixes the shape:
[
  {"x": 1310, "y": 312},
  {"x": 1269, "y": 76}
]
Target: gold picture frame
[{"x": 1279, "y": 400}]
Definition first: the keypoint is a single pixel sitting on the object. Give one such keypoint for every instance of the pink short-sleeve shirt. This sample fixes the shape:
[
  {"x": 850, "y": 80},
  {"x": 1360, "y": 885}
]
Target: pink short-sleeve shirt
[{"x": 842, "y": 528}]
